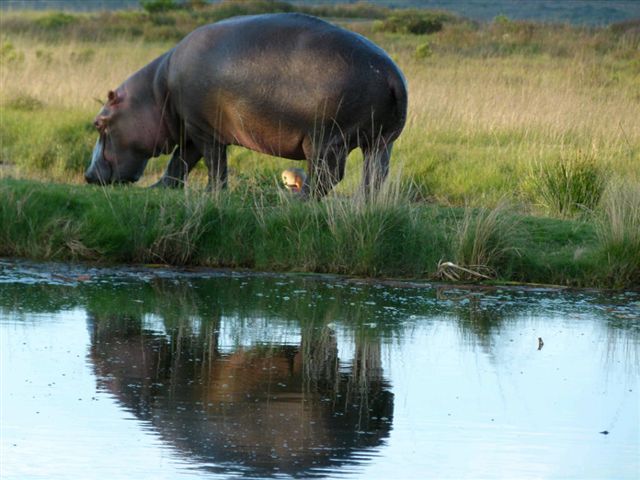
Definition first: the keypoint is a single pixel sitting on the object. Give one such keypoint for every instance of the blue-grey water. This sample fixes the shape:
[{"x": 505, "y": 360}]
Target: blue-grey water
[{"x": 157, "y": 373}]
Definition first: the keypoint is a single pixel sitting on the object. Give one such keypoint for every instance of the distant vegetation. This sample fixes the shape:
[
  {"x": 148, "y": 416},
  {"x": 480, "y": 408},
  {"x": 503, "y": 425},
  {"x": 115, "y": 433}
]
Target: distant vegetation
[
  {"x": 543, "y": 118},
  {"x": 576, "y": 12},
  {"x": 171, "y": 20}
]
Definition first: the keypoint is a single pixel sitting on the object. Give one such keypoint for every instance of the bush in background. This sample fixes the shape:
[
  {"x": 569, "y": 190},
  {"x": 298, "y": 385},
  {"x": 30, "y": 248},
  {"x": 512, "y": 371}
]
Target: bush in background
[
  {"x": 56, "y": 21},
  {"x": 156, "y": 6},
  {"x": 416, "y": 22}
]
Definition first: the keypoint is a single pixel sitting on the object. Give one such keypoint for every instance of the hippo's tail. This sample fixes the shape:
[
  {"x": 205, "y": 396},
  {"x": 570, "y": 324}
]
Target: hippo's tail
[{"x": 398, "y": 88}]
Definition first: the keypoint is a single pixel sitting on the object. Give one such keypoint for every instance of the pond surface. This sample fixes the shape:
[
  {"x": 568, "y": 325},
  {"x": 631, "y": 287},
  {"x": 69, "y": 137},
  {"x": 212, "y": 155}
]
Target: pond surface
[{"x": 154, "y": 373}]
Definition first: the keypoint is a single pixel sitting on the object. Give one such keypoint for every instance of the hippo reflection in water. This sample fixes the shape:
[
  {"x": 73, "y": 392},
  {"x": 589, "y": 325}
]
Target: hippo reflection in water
[
  {"x": 288, "y": 85},
  {"x": 264, "y": 409}
]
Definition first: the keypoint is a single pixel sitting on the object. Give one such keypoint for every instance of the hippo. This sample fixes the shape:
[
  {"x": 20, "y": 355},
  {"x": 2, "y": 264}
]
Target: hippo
[{"x": 288, "y": 85}]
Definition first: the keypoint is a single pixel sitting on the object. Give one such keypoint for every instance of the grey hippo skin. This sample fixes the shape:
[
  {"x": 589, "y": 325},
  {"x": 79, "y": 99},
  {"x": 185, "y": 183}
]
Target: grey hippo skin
[{"x": 288, "y": 85}]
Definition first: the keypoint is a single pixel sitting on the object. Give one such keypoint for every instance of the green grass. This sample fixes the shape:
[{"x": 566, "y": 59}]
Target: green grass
[
  {"x": 541, "y": 117},
  {"x": 484, "y": 239},
  {"x": 49, "y": 142},
  {"x": 568, "y": 186},
  {"x": 618, "y": 231},
  {"x": 385, "y": 237}
]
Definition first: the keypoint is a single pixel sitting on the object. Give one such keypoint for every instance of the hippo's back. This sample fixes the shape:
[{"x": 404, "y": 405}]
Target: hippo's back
[{"x": 291, "y": 68}]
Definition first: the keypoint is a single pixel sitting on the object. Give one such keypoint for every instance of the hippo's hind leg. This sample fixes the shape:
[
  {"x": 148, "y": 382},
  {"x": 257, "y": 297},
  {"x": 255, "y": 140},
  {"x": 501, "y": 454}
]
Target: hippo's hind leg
[
  {"x": 215, "y": 157},
  {"x": 184, "y": 158},
  {"x": 376, "y": 166},
  {"x": 325, "y": 167}
]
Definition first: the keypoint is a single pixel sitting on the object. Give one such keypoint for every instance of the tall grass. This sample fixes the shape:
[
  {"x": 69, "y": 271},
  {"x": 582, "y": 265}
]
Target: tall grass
[
  {"x": 382, "y": 237},
  {"x": 483, "y": 240},
  {"x": 385, "y": 236},
  {"x": 569, "y": 186},
  {"x": 618, "y": 231},
  {"x": 475, "y": 126}
]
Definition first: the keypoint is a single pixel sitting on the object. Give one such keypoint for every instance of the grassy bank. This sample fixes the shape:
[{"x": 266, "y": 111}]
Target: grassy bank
[{"x": 389, "y": 236}]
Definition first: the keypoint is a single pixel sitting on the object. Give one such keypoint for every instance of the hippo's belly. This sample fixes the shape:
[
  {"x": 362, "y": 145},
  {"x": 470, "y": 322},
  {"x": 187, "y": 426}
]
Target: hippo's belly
[
  {"x": 275, "y": 125},
  {"x": 263, "y": 133}
]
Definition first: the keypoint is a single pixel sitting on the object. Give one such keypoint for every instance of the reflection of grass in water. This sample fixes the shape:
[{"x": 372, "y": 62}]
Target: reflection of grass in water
[
  {"x": 320, "y": 359},
  {"x": 194, "y": 309},
  {"x": 623, "y": 332},
  {"x": 622, "y": 342},
  {"x": 191, "y": 314},
  {"x": 192, "y": 328},
  {"x": 477, "y": 320}
]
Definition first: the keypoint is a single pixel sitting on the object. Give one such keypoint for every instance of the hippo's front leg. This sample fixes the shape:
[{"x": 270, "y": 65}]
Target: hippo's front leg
[{"x": 182, "y": 162}]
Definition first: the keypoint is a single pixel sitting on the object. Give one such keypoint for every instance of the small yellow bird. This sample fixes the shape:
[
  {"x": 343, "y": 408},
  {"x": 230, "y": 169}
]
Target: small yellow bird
[{"x": 294, "y": 179}]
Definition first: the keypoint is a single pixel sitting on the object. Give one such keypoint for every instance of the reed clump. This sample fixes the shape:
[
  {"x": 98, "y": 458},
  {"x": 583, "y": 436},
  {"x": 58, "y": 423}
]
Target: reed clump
[
  {"x": 618, "y": 232},
  {"x": 382, "y": 234},
  {"x": 482, "y": 240},
  {"x": 570, "y": 185}
]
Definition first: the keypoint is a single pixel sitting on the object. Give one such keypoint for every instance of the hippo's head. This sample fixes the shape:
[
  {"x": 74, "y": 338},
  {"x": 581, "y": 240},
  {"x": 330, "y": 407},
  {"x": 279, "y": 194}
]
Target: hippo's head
[{"x": 130, "y": 134}]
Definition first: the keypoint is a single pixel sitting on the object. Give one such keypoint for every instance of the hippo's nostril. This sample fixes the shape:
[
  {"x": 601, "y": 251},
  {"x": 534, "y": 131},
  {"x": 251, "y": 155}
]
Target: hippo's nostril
[{"x": 93, "y": 177}]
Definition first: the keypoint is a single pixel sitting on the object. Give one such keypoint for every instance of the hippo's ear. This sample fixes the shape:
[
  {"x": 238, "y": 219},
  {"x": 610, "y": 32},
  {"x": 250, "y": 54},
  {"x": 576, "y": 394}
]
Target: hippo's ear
[{"x": 114, "y": 97}]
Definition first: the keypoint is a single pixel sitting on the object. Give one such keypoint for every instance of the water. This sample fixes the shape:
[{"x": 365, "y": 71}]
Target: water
[{"x": 160, "y": 374}]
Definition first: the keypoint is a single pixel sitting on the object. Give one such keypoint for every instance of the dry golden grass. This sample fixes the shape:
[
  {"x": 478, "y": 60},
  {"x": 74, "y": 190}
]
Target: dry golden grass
[
  {"x": 554, "y": 99},
  {"x": 72, "y": 75}
]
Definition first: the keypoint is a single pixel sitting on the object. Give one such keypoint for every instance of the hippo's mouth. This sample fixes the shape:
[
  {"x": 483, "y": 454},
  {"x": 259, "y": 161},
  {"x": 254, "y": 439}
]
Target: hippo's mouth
[{"x": 99, "y": 170}]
